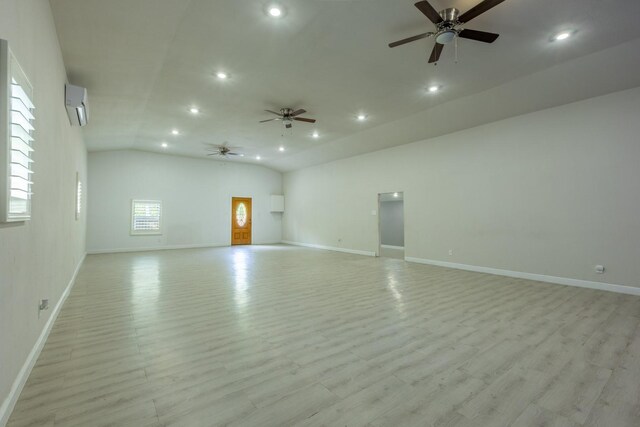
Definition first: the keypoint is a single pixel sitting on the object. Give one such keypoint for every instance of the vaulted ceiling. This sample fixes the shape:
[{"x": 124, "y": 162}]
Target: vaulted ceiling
[{"x": 147, "y": 62}]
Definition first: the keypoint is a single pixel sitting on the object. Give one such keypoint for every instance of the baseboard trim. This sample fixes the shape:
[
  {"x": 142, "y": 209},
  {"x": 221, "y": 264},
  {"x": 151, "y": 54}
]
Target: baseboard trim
[
  {"x": 399, "y": 248},
  {"x": 168, "y": 248},
  {"x": 153, "y": 248},
  {"x": 18, "y": 384},
  {"x": 330, "y": 248},
  {"x": 622, "y": 289}
]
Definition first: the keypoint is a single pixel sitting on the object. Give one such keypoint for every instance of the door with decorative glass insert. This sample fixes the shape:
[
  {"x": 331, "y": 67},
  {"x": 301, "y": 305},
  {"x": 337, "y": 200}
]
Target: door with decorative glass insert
[{"x": 240, "y": 221}]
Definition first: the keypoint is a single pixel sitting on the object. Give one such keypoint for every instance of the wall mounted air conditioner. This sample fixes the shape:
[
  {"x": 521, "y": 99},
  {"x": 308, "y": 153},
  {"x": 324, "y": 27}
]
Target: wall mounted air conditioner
[
  {"x": 277, "y": 203},
  {"x": 77, "y": 104}
]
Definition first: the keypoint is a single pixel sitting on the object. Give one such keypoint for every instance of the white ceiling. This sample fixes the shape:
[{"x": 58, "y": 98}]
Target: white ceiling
[{"x": 145, "y": 62}]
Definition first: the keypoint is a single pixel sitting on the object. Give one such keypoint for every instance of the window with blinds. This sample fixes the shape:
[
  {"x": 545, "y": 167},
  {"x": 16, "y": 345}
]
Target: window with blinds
[
  {"x": 146, "y": 216},
  {"x": 17, "y": 129},
  {"x": 78, "y": 196}
]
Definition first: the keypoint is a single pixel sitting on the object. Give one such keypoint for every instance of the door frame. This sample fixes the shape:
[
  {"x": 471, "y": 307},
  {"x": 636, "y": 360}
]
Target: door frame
[
  {"x": 230, "y": 218},
  {"x": 404, "y": 218}
]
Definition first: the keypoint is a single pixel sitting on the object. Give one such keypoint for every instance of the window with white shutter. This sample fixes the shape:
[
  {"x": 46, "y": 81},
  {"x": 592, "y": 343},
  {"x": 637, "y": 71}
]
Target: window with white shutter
[
  {"x": 146, "y": 217},
  {"x": 17, "y": 129},
  {"x": 78, "y": 196}
]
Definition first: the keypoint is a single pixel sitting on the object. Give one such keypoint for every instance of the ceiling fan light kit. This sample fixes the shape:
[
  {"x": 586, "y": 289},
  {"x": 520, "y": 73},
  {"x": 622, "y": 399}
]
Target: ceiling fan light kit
[
  {"x": 446, "y": 37},
  {"x": 448, "y": 24},
  {"x": 222, "y": 150},
  {"x": 287, "y": 116}
]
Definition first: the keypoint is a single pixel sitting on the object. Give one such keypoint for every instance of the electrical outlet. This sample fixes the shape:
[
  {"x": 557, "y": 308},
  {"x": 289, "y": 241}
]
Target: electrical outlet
[
  {"x": 599, "y": 269},
  {"x": 450, "y": 251},
  {"x": 43, "y": 305}
]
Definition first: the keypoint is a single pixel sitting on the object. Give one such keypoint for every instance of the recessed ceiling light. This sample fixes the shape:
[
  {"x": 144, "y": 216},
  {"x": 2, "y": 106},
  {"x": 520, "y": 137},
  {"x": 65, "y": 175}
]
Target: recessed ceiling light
[
  {"x": 241, "y": 155},
  {"x": 175, "y": 132},
  {"x": 362, "y": 117},
  {"x": 315, "y": 134},
  {"x": 395, "y": 194},
  {"x": 434, "y": 89},
  {"x": 164, "y": 145},
  {"x": 562, "y": 36},
  {"x": 258, "y": 157},
  {"x": 194, "y": 110},
  {"x": 221, "y": 75},
  {"x": 281, "y": 149},
  {"x": 275, "y": 11}
]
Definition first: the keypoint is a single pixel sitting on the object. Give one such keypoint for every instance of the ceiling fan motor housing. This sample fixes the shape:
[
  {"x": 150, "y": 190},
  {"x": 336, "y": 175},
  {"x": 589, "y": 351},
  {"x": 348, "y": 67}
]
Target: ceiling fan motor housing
[
  {"x": 450, "y": 15},
  {"x": 446, "y": 29}
]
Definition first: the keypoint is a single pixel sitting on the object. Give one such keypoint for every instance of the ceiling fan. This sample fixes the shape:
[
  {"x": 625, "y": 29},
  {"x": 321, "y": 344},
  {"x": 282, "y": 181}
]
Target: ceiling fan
[
  {"x": 448, "y": 22},
  {"x": 287, "y": 116},
  {"x": 222, "y": 150}
]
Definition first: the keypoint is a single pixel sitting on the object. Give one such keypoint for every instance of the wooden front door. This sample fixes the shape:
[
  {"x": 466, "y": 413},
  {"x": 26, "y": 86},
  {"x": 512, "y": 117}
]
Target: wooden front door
[{"x": 240, "y": 221}]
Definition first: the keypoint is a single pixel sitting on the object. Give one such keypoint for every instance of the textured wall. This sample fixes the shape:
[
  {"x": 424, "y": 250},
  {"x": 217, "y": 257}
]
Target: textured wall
[
  {"x": 552, "y": 192},
  {"x": 38, "y": 257},
  {"x": 196, "y": 199}
]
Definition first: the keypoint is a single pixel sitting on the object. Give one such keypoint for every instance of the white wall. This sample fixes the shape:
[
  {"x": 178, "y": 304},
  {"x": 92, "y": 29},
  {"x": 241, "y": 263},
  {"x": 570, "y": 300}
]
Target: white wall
[
  {"x": 196, "y": 196},
  {"x": 392, "y": 223},
  {"x": 38, "y": 258},
  {"x": 552, "y": 192}
]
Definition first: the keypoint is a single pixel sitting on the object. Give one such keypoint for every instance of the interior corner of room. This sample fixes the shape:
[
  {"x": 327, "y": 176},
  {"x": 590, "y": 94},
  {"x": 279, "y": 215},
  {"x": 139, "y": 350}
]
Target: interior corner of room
[{"x": 290, "y": 197}]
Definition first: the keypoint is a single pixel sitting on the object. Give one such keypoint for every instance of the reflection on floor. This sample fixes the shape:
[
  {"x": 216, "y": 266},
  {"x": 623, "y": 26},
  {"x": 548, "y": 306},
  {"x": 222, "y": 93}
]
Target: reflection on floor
[
  {"x": 278, "y": 336},
  {"x": 392, "y": 252}
]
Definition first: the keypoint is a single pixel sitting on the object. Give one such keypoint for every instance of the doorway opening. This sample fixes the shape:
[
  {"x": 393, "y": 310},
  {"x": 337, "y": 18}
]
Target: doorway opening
[
  {"x": 241, "y": 221},
  {"x": 391, "y": 224}
]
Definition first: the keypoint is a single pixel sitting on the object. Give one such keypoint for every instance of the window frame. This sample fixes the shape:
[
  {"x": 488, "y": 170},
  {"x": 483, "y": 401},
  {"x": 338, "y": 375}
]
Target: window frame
[
  {"x": 134, "y": 232},
  {"x": 78, "y": 196},
  {"x": 10, "y": 69}
]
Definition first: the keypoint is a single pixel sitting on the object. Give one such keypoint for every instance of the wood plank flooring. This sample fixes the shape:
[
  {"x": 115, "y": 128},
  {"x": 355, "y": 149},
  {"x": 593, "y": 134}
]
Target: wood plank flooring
[{"x": 278, "y": 336}]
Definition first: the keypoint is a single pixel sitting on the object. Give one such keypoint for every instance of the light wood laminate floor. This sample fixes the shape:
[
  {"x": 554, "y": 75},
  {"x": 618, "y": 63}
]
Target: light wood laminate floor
[
  {"x": 392, "y": 253},
  {"x": 278, "y": 335}
]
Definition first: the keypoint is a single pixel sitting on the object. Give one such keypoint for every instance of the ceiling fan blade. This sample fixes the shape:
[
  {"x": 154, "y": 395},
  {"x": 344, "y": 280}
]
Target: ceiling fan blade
[
  {"x": 429, "y": 11},
  {"x": 478, "y": 9},
  {"x": 270, "y": 120},
  {"x": 481, "y": 36},
  {"x": 233, "y": 154},
  {"x": 213, "y": 154},
  {"x": 302, "y": 119},
  {"x": 273, "y": 112},
  {"x": 435, "y": 53},
  {"x": 410, "y": 39},
  {"x": 298, "y": 112}
]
